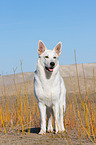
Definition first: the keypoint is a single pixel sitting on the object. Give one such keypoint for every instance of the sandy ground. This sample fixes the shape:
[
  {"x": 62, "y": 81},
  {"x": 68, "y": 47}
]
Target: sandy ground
[
  {"x": 69, "y": 74},
  {"x": 35, "y": 139}
]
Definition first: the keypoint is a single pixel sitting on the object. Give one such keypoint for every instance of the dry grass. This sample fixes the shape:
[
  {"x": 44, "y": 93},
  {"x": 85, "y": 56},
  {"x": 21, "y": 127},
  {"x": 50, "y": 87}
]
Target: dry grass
[{"x": 20, "y": 112}]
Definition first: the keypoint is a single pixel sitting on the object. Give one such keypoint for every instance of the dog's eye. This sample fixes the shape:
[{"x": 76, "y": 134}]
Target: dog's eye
[
  {"x": 46, "y": 56},
  {"x": 54, "y": 57}
]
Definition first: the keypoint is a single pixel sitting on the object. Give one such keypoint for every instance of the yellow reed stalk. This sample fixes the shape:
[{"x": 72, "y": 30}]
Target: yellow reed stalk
[
  {"x": 20, "y": 115},
  {"x": 83, "y": 126},
  {"x": 85, "y": 87},
  {"x": 66, "y": 137},
  {"x": 33, "y": 109},
  {"x": 38, "y": 114},
  {"x": 73, "y": 114},
  {"x": 6, "y": 106},
  {"x": 4, "y": 109},
  {"x": 79, "y": 133},
  {"x": 67, "y": 115},
  {"x": 80, "y": 97},
  {"x": 91, "y": 121},
  {"x": 22, "y": 126},
  {"x": 2, "y": 120},
  {"x": 94, "y": 81},
  {"x": 86, "y": 115},
  {"x": 91, "y": 83},
  {"x": 24, "y": 85},
  {"x": 15, "y": 103},
  {"x": 77, "y": 74},
  {"x": 87, "y": 133},
  {"x": 87, "y": 119},
  {"x": 87, "y": 110},
  {"x": 28, "y": 108},
  {"x": 84, "y": 105},
  {"x": 78, "y": 119},
  {"x": 95, "y": 121},
  {"x": 18, "y": 110},
  {"x": 19, "y": 106},
  {"x": 18, "y": 101},
  {"x": 21, "y": 118},
  {"x": 94, "y": 116},
  {"x": 76, "y": 105},
  {"x": 68, "y": 122},
  {"x": 30, "y": 121},
  {"x": 74, "y": 110},
  {"x": 78, "y": 81},
  {"x": 14, "y": 80},
  {"x": 84, "y": 80}
]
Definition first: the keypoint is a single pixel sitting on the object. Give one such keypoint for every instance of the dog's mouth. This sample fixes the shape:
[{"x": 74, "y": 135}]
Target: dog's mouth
[{"x": 49, "y": 69}]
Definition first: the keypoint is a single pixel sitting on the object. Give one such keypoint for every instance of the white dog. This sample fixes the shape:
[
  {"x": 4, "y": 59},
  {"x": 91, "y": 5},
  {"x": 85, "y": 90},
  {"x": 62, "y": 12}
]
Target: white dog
[{"x": 49, "y": 88}]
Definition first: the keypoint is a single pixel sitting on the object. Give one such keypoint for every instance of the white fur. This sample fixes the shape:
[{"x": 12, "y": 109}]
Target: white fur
[{"x": 49, "y": 88}]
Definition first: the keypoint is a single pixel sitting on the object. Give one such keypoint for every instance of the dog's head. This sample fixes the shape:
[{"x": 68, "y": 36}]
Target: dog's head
[{"x": 49, "y": 58}]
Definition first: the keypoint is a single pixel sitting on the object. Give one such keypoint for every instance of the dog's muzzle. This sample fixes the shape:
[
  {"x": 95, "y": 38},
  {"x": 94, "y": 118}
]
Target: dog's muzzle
[{"x": 50, "y": 69}]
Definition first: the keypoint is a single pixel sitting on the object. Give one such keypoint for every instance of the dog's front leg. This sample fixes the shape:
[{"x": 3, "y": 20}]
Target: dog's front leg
[
  {"x": 56, "y": 117},
  {"x": 42, "y": 109},
  {"x": 49, "y": 117},
  {"x": 62, "y": 129}
]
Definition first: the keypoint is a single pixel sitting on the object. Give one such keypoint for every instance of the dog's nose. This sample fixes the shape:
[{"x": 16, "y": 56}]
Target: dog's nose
[{"x": 52, "y": 64}]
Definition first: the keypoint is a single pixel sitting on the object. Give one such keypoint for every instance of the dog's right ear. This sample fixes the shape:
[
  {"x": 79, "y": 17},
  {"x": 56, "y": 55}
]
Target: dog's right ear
[
  {"x": 57, "y": 48},
  {"x": 41, "y": 47}
]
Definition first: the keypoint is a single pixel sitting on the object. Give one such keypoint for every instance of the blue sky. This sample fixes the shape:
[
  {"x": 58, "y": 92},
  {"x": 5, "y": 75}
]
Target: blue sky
[{"x": 24, "y": 22}]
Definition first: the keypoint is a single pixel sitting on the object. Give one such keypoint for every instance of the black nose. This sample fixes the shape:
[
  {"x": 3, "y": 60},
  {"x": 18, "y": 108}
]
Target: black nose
[{"x": 52, "y": 64}]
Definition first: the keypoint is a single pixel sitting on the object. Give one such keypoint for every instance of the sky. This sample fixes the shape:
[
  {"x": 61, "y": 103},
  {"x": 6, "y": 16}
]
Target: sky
[{"x": 24, "y": 22}]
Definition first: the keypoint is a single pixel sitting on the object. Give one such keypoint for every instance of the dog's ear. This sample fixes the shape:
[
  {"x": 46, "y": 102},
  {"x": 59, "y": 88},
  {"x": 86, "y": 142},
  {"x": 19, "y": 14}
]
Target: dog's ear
[
  {"x": 41, "y": 47},
  {"x": 57, "y": 48}
]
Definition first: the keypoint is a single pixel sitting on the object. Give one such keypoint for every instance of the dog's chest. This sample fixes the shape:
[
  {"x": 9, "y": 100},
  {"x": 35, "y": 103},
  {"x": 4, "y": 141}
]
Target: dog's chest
[
  {"x": 50, "y": 88},
  {"x": 48, "y": 91}
]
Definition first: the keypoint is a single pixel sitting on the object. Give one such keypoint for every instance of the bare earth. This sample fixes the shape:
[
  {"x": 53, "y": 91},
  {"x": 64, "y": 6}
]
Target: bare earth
[
  {"x": 35, "y": 139},
  {"x": 69, "y": 74}
]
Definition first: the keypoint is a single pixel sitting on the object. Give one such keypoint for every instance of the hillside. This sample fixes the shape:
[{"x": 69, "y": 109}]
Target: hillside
[{"x": 66, "y": 71}]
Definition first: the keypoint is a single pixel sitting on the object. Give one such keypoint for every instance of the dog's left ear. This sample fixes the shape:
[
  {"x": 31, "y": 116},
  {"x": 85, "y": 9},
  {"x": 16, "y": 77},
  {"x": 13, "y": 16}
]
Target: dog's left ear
[
  {"x": 57, "y": 48},
  {"x": 41, "y": 47}
]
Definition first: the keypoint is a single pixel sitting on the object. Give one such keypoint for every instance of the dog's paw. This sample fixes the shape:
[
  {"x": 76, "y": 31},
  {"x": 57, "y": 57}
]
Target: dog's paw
[
  {"x": 50, "y": 129},
  {"x": 42, "y": 132},
  {"x": 57, "y": 132},
  {"x": 62, "y": 130}
]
